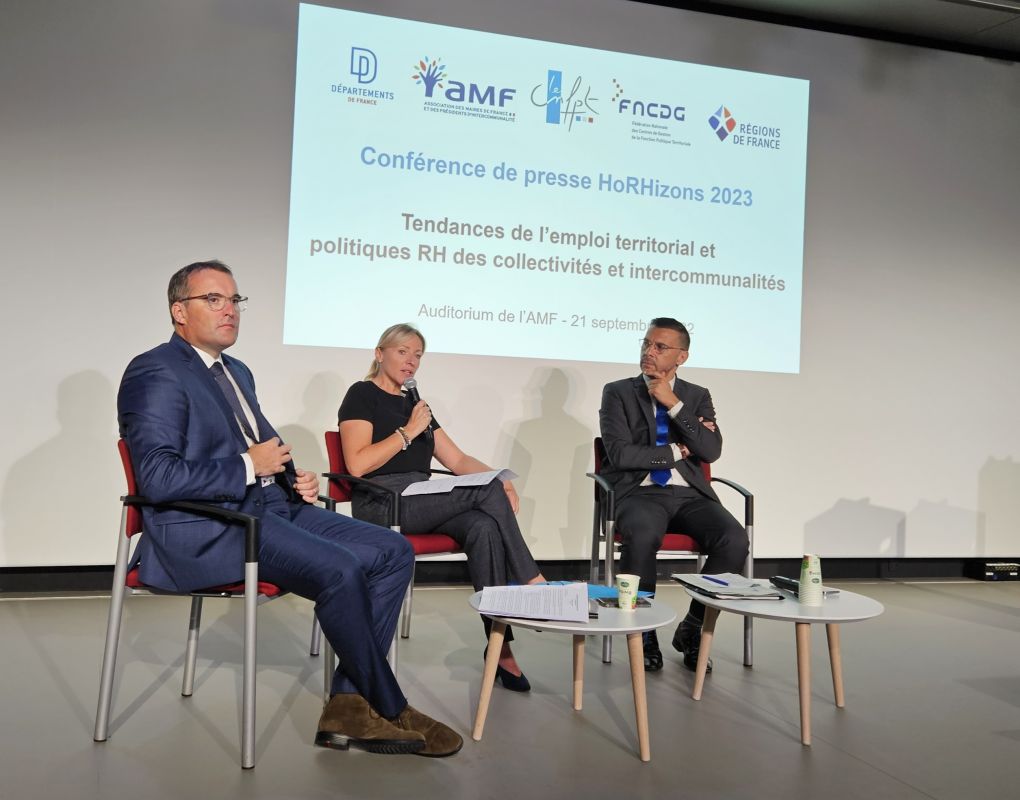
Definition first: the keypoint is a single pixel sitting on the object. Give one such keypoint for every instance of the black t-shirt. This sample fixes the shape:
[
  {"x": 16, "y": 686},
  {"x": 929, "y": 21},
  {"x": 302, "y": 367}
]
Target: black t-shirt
[{"x": 387, "y": 412}]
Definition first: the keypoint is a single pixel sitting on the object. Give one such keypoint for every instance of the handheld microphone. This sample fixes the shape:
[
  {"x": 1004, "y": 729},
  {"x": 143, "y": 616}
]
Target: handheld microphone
[{"x": 411, "y": 385}]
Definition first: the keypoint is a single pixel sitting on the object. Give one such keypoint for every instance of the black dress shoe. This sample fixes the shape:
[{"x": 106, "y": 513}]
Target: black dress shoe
[
  {"x": 515, "y": 683},
  {"x": 687, "y": 640},
  {"x": 653, "y": 655}
]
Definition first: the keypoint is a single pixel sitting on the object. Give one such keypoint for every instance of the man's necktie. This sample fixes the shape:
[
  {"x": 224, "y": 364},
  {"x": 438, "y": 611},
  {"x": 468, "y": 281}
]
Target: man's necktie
[
  {"x": 661, "y": 476},
  {"x": 231, "y": 396}
]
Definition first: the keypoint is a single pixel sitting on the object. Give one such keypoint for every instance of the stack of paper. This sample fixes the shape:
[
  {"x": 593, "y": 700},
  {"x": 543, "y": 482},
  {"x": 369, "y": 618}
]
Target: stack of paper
[
  {"x": 567, "y": 603},
  {"x": 728, "y": 586}
]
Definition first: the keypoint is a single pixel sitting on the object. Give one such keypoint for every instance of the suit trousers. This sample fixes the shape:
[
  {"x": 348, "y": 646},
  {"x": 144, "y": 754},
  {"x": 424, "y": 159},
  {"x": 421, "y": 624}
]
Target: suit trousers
[
  {"x": 478, "y": 518},
  {"x": 356, "y": 574},
  {"x": 645, "y": 514}
]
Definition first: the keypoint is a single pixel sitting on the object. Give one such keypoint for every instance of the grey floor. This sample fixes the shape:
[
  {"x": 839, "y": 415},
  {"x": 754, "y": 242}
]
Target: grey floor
[{"x": 932, "y": 689}]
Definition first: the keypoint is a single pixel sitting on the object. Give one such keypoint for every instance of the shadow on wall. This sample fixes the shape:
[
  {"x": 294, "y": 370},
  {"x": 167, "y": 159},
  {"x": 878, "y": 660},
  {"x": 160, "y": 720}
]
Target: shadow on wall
[
  {"x": 548, "y": 447},
  {"x": 47, "y": 489},
  {"x": 321, "y": 399},
  {"x": 941, "y": 530},
  {"x": 856, "y": 528},
  {"x": 999, "y": 503}
]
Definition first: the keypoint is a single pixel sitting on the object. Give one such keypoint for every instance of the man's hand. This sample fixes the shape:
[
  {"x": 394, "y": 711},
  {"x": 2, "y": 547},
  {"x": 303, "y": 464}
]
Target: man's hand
[
  {"x": 511, "y": 495},
  {"x": 707, "y": 423},
  {"x": 307, "y": 485},
  {"x": 269, "y": 457},
  {"x": 660, "y": 388}
]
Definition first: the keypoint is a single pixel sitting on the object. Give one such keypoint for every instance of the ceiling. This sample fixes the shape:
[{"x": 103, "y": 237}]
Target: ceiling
[{"x": 983, "y": 27}]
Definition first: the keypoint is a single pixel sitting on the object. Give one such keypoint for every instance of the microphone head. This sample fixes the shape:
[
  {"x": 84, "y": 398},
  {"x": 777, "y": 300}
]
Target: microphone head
[{"x": 410, "y": 384}]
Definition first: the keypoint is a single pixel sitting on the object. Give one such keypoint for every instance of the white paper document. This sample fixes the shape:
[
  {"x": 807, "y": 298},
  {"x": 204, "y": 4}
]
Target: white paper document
[
  {"x": 564, "y": 603},
  {"x": 450, "y": 482},
  {"x": 728, "y": 585}
]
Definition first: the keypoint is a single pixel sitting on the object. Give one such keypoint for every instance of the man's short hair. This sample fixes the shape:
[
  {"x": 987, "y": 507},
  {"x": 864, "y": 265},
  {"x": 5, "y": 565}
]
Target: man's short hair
[
  {"x": 673, "y": 325},
  {"x": 178, "y": 288}
]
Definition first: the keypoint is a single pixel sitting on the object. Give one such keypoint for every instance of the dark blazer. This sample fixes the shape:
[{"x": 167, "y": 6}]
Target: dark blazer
[
  {"x": 185, "y": 444},
  {"x": 628, "y": 433}
]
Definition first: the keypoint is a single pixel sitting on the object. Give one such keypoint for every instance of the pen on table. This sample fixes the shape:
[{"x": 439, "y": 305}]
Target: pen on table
[{"x": 720, "y": 581}]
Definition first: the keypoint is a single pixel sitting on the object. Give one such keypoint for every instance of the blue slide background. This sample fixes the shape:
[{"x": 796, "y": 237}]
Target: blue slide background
[{"x": 356, "y": 88}]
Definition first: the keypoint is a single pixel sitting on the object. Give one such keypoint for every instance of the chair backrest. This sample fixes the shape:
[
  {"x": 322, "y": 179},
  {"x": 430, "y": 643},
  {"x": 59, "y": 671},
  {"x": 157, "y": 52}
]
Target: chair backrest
[
  {"x": 339, "y": 490},
  {"x": 601, "y": 458},
  {"x": 134, "y": 514}
]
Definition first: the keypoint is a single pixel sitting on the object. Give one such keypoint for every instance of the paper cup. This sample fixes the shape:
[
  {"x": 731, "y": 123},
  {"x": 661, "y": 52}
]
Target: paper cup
[
  {"x": 810, "y": 593},
  {"x": 627, "y": 589}
]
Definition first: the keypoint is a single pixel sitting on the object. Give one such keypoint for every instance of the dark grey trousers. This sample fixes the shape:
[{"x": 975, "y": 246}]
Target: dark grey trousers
[{"x": 478, "y": 518}]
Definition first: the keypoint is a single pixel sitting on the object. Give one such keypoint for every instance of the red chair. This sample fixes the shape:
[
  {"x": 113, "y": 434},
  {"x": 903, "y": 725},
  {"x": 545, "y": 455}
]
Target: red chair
[
  {"x": 426, "y": 545},
  {"x": 674, "y": 543},
  {"x": 127, "y": 583}
]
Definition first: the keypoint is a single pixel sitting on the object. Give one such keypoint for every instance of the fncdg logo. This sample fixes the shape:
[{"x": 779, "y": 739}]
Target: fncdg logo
[
  {"x": 722, "y": 122},
  {"x": 654, "y": 109}
]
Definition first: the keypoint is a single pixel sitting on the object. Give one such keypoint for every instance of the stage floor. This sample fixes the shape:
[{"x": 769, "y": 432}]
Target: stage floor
[{"x": 932, "y": 707}]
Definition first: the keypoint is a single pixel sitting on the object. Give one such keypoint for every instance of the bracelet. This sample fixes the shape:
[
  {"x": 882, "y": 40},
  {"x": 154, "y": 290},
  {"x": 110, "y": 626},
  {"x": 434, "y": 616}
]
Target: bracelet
[{"x": 406, "y": 440}]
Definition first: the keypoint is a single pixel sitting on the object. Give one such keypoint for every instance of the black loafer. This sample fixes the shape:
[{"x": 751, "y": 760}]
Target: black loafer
[
  {"x": 515, "y": 683},
  {"x": 653, "y": 655},
  {"x": 687, "y": 640}
]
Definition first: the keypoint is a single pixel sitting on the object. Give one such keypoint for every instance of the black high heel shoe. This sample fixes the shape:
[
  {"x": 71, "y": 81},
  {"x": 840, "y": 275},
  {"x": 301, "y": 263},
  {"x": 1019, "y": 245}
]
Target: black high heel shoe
[{"x": 515, "y": 683}]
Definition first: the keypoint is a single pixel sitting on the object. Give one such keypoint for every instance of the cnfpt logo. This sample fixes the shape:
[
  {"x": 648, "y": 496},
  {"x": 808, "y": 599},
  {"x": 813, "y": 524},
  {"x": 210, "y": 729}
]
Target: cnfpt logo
[
  {"x": 575, "y": 105},
  {"x": 432, "y": 75},
  {"x": 722, "y": 122}
]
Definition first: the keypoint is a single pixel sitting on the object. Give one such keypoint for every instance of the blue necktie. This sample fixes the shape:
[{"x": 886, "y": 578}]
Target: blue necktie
[
  {"x": 661, "y": 476},
  {"x": 231, "y": 397}
]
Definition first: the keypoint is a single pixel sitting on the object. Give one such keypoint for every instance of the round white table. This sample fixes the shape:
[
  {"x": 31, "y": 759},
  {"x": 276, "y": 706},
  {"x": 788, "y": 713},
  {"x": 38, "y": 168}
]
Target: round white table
[
  {"x": 610, "y": 621},
  {"x": 843, "y": 607}
]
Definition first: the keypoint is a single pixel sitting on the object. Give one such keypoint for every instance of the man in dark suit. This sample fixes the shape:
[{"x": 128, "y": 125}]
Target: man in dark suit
[
  {"x": 657, "y": 430},
  {"x": 195, "y": 432}
]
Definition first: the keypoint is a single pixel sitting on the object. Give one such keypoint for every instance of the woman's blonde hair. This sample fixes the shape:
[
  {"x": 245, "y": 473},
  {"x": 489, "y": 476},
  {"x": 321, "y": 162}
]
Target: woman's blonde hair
[{"x": 390, "y": 337}]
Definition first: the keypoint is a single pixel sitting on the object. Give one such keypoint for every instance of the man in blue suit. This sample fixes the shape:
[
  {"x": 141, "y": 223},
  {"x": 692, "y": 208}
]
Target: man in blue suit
[
  {"x": 657, "y": 430},
  {"x": 195, "y": 432}
]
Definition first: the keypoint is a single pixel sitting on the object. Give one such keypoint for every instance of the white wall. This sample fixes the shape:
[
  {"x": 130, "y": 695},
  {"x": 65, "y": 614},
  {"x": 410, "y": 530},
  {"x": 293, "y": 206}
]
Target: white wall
[{"x": 139, "y": 135}]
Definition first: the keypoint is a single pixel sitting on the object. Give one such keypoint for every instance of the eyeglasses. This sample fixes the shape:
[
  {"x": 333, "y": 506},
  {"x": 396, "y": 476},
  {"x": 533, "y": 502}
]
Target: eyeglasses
[
  {"x": 658, "y": 347},
  {"x": 218, "y": 301}
]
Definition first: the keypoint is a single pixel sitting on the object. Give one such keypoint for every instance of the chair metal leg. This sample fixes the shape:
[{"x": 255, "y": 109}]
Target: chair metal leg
[
  {"x": 748, "y": 622},
  {"x": 405, "y": 608},
  {"x": 328, "y": 665},
  {"x": 112, "y": 636},
  {"x": 313, "y": 648},
  {"x": 607, "y": 641},
  {"x": 251, "y": 599},
  {"x": 191, "y": 651}
]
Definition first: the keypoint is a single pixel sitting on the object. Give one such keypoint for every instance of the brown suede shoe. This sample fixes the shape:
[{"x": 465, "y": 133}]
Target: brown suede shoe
[
  {"x": 440, "y": 740},
  {"x": 348, "y": 719}
]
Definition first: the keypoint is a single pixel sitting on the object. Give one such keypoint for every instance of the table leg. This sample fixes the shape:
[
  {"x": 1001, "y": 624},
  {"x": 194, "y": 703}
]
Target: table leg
[
  {"x": 578, "y": 670},
  {"x": 637, "y": 679},
  {"x": 836, "y": 660},
  {"x": 707, "y": 633},
  {"x": 496, "y": 635},
  {"x": 804, "y": 679}
]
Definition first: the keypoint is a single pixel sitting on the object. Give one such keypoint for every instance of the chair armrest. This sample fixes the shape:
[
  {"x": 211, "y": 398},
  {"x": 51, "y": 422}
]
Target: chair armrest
[
  {"x": 252, "y": 524},
  {"x": 372, "y": 486},
  {"x": 610, "y": 493},
  {"x": 748, "y": 498}
]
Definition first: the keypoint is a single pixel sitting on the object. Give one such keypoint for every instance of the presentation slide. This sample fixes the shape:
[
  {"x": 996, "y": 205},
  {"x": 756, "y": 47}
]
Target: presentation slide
[{"x": 521, "y": 198}]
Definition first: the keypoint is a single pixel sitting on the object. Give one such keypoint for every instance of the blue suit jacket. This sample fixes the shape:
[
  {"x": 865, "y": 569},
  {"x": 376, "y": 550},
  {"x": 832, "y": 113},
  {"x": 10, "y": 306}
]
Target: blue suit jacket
[{"x": 185, "y": 444}]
